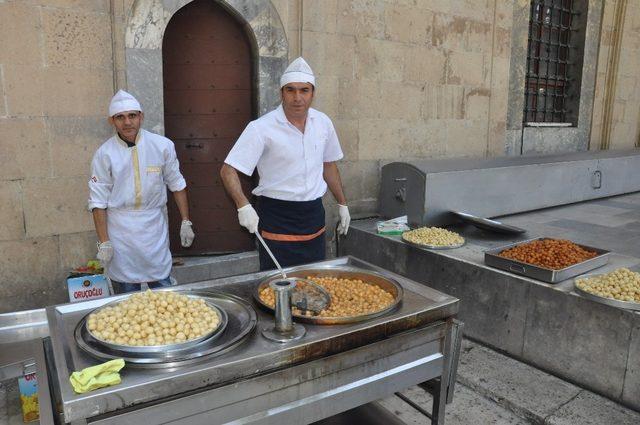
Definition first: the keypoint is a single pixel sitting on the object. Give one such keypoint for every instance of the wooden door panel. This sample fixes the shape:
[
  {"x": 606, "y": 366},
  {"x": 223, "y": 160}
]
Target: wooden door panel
[
  {"x": 184, "y": 102},
  {"x": 208, "y": 101},
  {"x": 208, "y": 76}
]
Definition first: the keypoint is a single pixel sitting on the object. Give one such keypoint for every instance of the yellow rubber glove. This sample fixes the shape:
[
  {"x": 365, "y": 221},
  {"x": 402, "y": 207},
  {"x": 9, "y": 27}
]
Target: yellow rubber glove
[{"x": 99, "y": 376}]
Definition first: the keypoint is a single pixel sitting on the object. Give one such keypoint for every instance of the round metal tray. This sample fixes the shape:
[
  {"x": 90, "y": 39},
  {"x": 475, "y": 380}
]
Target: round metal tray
[
  {"x": 418, "y": 245},
  {"x": 241, "y": 321},
  {"x": 164, "y": 347},
  {"x": 343, "y": 272},
  {"x": 603, "y": 300}
]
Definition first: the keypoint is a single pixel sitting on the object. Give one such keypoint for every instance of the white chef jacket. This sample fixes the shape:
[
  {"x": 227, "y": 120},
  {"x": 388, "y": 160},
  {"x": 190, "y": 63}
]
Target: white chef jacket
[
  {"x": 130, "y": 183},
  {"x": 290, "y": 163}
]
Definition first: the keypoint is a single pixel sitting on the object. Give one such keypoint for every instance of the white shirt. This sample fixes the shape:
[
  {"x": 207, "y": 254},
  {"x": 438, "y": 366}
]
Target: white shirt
[
  {"x": 290, "y": 163},
  {"x": 130, "y": 183}
]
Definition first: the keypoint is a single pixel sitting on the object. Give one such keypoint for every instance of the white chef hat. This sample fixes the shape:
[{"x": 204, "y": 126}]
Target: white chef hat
[
  {"x": 123, "y": 101},
  {"x": 298, "y": 71}
]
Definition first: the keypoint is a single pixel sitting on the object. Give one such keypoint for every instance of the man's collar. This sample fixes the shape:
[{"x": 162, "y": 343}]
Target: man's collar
[
  {"x": 282, "y": 118},
  {"x": 124, "y": 143}
]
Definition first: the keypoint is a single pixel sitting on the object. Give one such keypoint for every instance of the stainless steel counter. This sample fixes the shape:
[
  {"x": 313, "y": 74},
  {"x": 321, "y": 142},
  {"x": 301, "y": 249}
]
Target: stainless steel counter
[{"x": 332, "y": 369}]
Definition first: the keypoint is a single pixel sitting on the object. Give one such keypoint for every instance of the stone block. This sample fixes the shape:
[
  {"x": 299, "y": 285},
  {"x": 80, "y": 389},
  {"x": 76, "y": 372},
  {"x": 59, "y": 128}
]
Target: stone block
[
  {"x": 24, "y": 151},
  {"x": 23, "y": 99},
  {"x": 499, "y": 89},
  {"x": 362, "y": 18},
  {"x": 11, "y": 219},
  {"x": 379, "y": 60},
  {"x": 449, "y": 101},
  {"x": 425, "y": 139},
  {"x": 481, "y": 10},
  {"x": 449, "y": 32},
  {"x": 578, "y": 338},
  {"x": 471, "y": 69},
  {"x": 76, "y": 249},
  {"x": 425, "y": 64},
  {"x": 326, "y": 97},
  {"x": 320, "y": 16},
  {"x": 56, "y": 206},
  {"x": 359, "y": 179},
  {"x": 479, "y": 37},
  {"x": 502, "y": 45},
  {"x": 407, "y": 24},
  {"x": 522, "y": 389},
  {"x": 347, "y": 131},
  {"x": 466, "y": 138},
  {"x": 377, "y": 138},
  {"x": 20, "y": 30},
  {"x": 496, "y": 143},
  {"x": 3, "y": 100},
  {"x": 631, "y": 389},
  {"x": 625, "y": 87},
  {"x": 77, "y": 92},
  {"x": 504, "y": 13},
  {"x": 77, "y": 38},
  {"x": 476, "y": 104},
  {"x": 27, "y": 265},
  {"x": 401, "y": 100},
  {"x": 97, "y": 6},
  {"x": 588, "y": 408},
  {"x": 73, "y": 142},
  {"x": 317, "y": 48}
]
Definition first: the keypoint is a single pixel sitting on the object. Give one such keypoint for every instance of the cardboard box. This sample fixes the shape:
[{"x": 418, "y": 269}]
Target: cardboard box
[
  {"x": 28, "y": 386},
  {"x": 84, "y": 287}
]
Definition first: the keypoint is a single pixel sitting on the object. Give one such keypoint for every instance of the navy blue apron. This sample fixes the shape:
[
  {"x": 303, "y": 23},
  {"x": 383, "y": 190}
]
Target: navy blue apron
[{"x": 293, "y": 231}]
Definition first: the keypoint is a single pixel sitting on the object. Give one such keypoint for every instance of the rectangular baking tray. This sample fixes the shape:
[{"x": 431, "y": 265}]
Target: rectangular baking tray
[{"x": 491, "y": 258}]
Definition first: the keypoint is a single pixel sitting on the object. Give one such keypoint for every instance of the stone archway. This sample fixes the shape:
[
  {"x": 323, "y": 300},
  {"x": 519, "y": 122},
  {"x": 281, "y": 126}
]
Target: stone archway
[{"x": 143, "y": 51}]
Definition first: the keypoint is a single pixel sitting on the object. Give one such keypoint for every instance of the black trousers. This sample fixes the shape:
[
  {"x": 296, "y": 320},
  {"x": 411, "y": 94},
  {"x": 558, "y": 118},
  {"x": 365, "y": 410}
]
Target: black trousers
[{"x": 293, "y": 231}]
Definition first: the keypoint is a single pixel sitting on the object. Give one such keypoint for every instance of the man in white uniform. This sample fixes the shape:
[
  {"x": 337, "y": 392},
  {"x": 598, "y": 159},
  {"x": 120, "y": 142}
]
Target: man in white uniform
[
  {"x": 295, "y": 149},
  {"x": 128, "y": 199}
]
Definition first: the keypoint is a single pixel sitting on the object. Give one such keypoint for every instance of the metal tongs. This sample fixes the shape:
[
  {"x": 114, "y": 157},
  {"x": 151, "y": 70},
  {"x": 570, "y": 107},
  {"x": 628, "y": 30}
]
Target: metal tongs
[{"x": 305, "y": 296}]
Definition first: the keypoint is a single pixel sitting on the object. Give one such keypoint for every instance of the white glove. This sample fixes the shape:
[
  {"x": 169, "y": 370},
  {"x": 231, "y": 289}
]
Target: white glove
[
  {"x": 105, "y": 252},
  {"x": 345, "y": 219},
  {"x": 248, "y": 218},
  {"x": 186, "y": 234}
]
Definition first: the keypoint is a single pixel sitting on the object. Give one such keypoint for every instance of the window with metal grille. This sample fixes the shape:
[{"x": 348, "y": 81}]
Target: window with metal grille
[{"x": 554, "y": 62}]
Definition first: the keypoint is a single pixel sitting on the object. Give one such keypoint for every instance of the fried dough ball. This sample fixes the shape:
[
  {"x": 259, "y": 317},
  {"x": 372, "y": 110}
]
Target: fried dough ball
[
  {"x": 554, "y": 254},
  {"x": 435, "y": 236},
  {"x": 621, "y": 284},
  {"x": 349, "y": 297},
  {"x": 154, "y": 318}
]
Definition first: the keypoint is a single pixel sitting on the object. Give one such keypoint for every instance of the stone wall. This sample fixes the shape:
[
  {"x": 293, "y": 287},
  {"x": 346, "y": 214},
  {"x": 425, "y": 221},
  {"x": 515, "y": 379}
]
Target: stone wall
[
  {"x": 625, "y": 124},
  {"x": 56, "y": 71},
  {"x": 400, "y": 78}
]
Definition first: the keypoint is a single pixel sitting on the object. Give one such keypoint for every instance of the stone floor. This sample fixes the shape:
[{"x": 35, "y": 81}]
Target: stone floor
[{"x": 491, "y": 389}]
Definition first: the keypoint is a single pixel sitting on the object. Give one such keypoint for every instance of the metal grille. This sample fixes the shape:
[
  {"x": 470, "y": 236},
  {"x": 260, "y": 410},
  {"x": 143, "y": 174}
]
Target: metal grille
[{"x": 549, "y": 63}]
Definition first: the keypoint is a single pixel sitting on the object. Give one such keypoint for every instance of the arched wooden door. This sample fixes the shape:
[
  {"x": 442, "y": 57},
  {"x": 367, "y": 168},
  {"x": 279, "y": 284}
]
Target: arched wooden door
[{"x": 208, "y": 100}]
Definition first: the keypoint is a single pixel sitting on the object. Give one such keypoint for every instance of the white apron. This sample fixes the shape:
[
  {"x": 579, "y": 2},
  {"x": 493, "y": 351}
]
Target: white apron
[{"x": 131, "y": 184}]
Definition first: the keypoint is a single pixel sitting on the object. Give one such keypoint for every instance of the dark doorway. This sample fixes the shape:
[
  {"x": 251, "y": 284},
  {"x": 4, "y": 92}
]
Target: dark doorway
[{"x": 208, "y": 100}]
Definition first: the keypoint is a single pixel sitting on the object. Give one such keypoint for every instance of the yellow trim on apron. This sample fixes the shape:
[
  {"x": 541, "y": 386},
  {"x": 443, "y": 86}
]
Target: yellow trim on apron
[{"x": 136, "y": 177}]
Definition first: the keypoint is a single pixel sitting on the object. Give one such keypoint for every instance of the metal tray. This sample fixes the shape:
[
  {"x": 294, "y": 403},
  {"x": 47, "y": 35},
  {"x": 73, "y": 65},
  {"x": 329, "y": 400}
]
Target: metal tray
[
  {"x": 164, "y": 347},
  {"x": 242, "y": 320},
  {"x": 487, "y": 224},
  {"x": 491, "y": 258},
  {"x": 603, "y": 300},
  {"x": 344, "y": 272}
]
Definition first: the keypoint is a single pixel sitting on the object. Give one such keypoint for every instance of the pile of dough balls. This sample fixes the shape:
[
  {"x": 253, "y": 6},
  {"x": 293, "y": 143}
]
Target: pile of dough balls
[
  {"x": 621, "y": 284},
  {"x": 154, "y": 318},
  {"x": 434, "y": 236},
  {"x": 349, "y": 297}
]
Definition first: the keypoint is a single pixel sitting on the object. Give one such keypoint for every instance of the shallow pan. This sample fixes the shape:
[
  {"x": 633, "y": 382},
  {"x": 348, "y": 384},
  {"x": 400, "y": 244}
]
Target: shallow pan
[
  {"x": 491, "y": 258},
  {"x": 340, "y": 272},
  {"x": 165, "y": 347},
  {"x": 418, "y": 245},
  {"x": 603, "y": 300}
]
